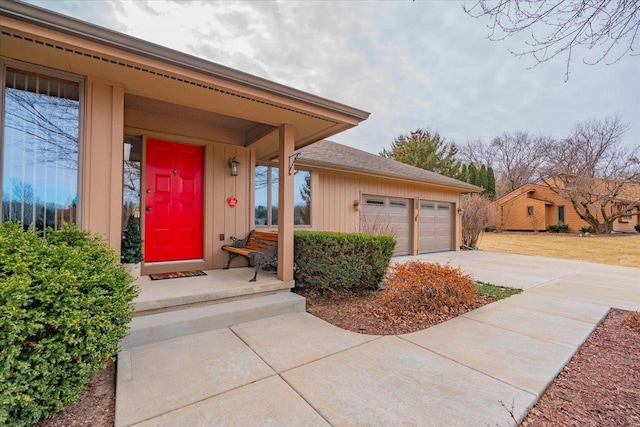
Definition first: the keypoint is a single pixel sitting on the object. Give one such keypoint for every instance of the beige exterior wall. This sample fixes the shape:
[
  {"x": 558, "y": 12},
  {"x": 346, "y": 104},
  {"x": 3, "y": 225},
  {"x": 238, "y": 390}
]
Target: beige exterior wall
[
  {"x": 333, "y": 194},
  {"x": 101, "y": 170}
]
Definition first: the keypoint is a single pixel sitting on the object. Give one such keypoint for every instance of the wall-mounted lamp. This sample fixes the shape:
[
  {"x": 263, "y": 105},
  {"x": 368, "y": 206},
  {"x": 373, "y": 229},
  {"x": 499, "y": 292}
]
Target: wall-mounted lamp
[
  {"x": 356, "y": 205},
  {"x": 127, "y": 151},
  {"x": 234, "y": 165},
  {"x": 460, "y": 211}
]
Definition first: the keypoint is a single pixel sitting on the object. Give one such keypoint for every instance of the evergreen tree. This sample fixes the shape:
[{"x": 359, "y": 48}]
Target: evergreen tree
[
  {"x": 427, "y": 150},
  {"x": 491, "y": 183},
  {"x": 131, "y": 247},
  {"x": 482, "y": 179},
  {"x": 464, "y": 175},
  {"x": 473, "y": 174}
]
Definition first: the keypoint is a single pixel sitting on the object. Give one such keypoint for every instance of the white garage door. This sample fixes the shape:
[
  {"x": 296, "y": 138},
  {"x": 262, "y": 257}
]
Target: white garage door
[
  {"x": 436, "y": 226},
  {"x": 388, "y": 216}
]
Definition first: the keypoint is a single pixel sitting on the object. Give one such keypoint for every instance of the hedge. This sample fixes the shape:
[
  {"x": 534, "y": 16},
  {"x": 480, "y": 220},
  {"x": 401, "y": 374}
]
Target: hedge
[
  {"x": 64, "y": 305},
  {"x": 330, "y": 260}
]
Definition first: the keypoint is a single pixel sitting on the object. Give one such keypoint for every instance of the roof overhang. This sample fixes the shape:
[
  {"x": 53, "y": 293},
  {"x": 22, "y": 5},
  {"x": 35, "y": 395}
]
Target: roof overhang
[
  {"x": 382, "y": 175},
  {"x": 38, "y": 36}
]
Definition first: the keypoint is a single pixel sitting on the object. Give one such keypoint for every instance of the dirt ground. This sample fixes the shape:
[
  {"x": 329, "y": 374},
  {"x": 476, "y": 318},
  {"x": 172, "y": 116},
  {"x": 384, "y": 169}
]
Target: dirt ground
[
  {"x": 614, "y": 249},
  {"x": 599, "y": 387}
]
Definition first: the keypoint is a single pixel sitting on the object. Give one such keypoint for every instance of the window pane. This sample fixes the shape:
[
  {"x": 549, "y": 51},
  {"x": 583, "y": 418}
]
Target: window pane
[
  {"x": 40, "y": 158},
  {"x": 302, "y": 198},
  {"x": 274, "y": 196},
  {"x": 261, "y": 195},
  {"x": 131, "y": 178}
]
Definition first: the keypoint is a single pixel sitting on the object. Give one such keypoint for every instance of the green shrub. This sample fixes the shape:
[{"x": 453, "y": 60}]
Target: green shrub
[
  {"x": 585, "y": 230},
  {"x": 349, "y": 261},
  {"x": 559, "y": 228},
  {"x": 64, "y": 305},
  {"x": 637, "y": 227}
]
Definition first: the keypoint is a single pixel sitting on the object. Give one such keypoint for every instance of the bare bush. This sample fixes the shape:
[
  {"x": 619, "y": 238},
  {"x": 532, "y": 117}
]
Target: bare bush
[{"x": 476, "y": 213}]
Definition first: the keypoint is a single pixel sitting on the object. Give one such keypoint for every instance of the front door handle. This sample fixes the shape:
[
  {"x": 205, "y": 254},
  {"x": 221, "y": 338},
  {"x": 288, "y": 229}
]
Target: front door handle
[{"x": 148, "y": 209}]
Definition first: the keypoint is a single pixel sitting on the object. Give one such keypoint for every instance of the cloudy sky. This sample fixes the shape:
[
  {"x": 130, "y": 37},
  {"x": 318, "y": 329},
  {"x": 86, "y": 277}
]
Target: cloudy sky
[{"x": 410, "y": 64}]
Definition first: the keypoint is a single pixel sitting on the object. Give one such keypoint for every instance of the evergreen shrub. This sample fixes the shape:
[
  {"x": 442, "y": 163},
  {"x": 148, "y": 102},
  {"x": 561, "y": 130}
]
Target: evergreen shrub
[
  {"x": 349, "y": 261},
  {"x": 64, "y": 304},
  {"x": 559, "y": 228}
]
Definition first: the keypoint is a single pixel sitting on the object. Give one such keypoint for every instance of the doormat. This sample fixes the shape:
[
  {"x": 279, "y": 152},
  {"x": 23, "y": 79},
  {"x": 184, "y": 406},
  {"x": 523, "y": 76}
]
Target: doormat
[{"x": 177, "y": 274}]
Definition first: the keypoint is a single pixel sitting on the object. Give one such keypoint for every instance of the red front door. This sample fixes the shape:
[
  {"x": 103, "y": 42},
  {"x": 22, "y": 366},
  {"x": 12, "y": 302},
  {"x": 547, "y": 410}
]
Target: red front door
[{"x": 173, "y": 201}]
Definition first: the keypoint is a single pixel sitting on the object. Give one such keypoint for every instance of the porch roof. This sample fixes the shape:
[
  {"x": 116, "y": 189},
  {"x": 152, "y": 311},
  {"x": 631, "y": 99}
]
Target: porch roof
[{"x": 36, "y": 35}]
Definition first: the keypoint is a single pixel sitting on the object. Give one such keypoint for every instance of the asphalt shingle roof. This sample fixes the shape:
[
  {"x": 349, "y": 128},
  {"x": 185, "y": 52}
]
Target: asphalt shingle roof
[{"x": 329, "y": 153}]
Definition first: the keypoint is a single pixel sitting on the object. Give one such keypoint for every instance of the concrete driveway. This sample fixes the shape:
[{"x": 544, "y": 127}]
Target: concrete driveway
[{"x": 297, "y": 370}]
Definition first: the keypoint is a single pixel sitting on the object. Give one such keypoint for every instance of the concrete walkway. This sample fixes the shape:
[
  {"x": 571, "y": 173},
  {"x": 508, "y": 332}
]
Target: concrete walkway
[{"x": 297, "y": 370}]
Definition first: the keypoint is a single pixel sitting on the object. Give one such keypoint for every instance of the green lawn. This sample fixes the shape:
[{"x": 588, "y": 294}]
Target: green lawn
[{"x": 495, "y": 292}]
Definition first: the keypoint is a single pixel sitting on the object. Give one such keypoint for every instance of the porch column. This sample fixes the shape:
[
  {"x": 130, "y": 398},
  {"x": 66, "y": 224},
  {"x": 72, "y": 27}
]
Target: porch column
[{"x": 285, "y": 204}]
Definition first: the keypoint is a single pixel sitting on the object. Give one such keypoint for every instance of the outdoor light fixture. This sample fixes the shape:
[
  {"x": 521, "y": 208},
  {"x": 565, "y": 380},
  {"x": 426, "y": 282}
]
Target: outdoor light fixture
[
  {"x": 233, "y": 166},
  {"x": 127, "y": 151},
  {"x": 460, "y": 210},
  {"x": 356, "y": 205}
]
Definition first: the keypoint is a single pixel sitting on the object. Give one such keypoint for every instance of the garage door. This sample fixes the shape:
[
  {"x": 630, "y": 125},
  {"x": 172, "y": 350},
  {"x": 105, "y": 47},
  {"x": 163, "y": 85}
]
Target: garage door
[
  {"x": 436, "y": 226},
  {"x": 388, "y": 216}
]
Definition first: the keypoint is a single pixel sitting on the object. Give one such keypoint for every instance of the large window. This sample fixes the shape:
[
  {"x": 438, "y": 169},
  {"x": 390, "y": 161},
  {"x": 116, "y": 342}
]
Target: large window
[
  {"x": 40, "y": 149},
  {"x": 266, "y": 197}
]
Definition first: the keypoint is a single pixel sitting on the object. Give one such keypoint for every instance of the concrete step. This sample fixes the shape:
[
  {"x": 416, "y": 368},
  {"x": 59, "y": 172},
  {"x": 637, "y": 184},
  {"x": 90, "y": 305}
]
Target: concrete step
[{"x": 171, "y": 324}]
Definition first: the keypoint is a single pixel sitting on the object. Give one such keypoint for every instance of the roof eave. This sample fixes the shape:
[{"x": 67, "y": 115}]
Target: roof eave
[{"x": 87, "y": 31}]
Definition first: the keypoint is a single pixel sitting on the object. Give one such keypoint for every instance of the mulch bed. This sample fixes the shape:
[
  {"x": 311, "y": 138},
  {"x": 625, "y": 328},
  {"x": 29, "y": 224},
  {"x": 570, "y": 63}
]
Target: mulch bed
[
  {"x": 96, "y": 406},
  {"x": 354, "y": 311},
  {"x": 599, "y": 387}
]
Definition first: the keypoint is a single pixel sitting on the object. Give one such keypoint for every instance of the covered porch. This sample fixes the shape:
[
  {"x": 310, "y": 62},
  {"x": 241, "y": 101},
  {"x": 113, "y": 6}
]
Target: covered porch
[{"x": 129, "y": 90}]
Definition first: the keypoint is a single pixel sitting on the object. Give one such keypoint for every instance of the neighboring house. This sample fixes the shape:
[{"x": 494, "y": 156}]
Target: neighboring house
[
  {"x": 97, "y": 126},
  {"x": 536, "y": 207}
]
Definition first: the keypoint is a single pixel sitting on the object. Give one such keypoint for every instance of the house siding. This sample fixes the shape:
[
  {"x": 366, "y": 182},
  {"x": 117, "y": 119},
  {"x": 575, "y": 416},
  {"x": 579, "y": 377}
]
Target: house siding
[
  {"x": 513, "y": 208},
  {"x": 334, "y": 194}
]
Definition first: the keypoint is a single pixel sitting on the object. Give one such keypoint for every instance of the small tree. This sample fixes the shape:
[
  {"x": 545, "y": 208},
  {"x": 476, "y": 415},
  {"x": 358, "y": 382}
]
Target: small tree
[
  {"x": 131, "y": 252},
  {"x": 475, "y": 217}
]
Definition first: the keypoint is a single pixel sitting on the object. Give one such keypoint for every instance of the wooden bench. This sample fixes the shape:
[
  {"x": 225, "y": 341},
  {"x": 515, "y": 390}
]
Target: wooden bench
[{"x": 259, "y": 246}]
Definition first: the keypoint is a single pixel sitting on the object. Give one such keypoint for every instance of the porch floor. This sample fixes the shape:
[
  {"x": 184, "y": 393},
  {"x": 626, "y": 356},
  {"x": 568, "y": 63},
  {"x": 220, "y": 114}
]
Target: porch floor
[{"x": 216, "y": 286}]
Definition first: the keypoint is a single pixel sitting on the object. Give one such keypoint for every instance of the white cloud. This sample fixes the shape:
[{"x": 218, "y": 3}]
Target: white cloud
[{"x": 411, "y": 64}]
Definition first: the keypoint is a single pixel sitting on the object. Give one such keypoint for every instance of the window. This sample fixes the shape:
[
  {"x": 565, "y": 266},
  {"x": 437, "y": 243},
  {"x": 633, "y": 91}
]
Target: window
[
  {"x": 529, "y": 210},
  {"x": 561, "y": 214},
  {"x": 41, "y": 124},
  {"x": 266, "y": 197},
  {"x": 622, "y": 207}
]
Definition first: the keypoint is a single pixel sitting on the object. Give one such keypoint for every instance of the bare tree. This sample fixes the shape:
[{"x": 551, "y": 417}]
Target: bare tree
[
  {"x": 519, "y": 158},
  {"x": 51, "y": 124},
  {"x": 596, "y": 172},
  {"x": 476, "y": 211},
  {"x": 478, "y": 152},
  {"x": 609, "y": 28}
]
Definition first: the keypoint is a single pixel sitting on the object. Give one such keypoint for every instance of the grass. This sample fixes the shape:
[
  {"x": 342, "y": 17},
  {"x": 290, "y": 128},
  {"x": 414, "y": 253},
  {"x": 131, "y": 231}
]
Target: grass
[
  {"x": 613, "y": 249},
  {"x": 495, "y": 292}
]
